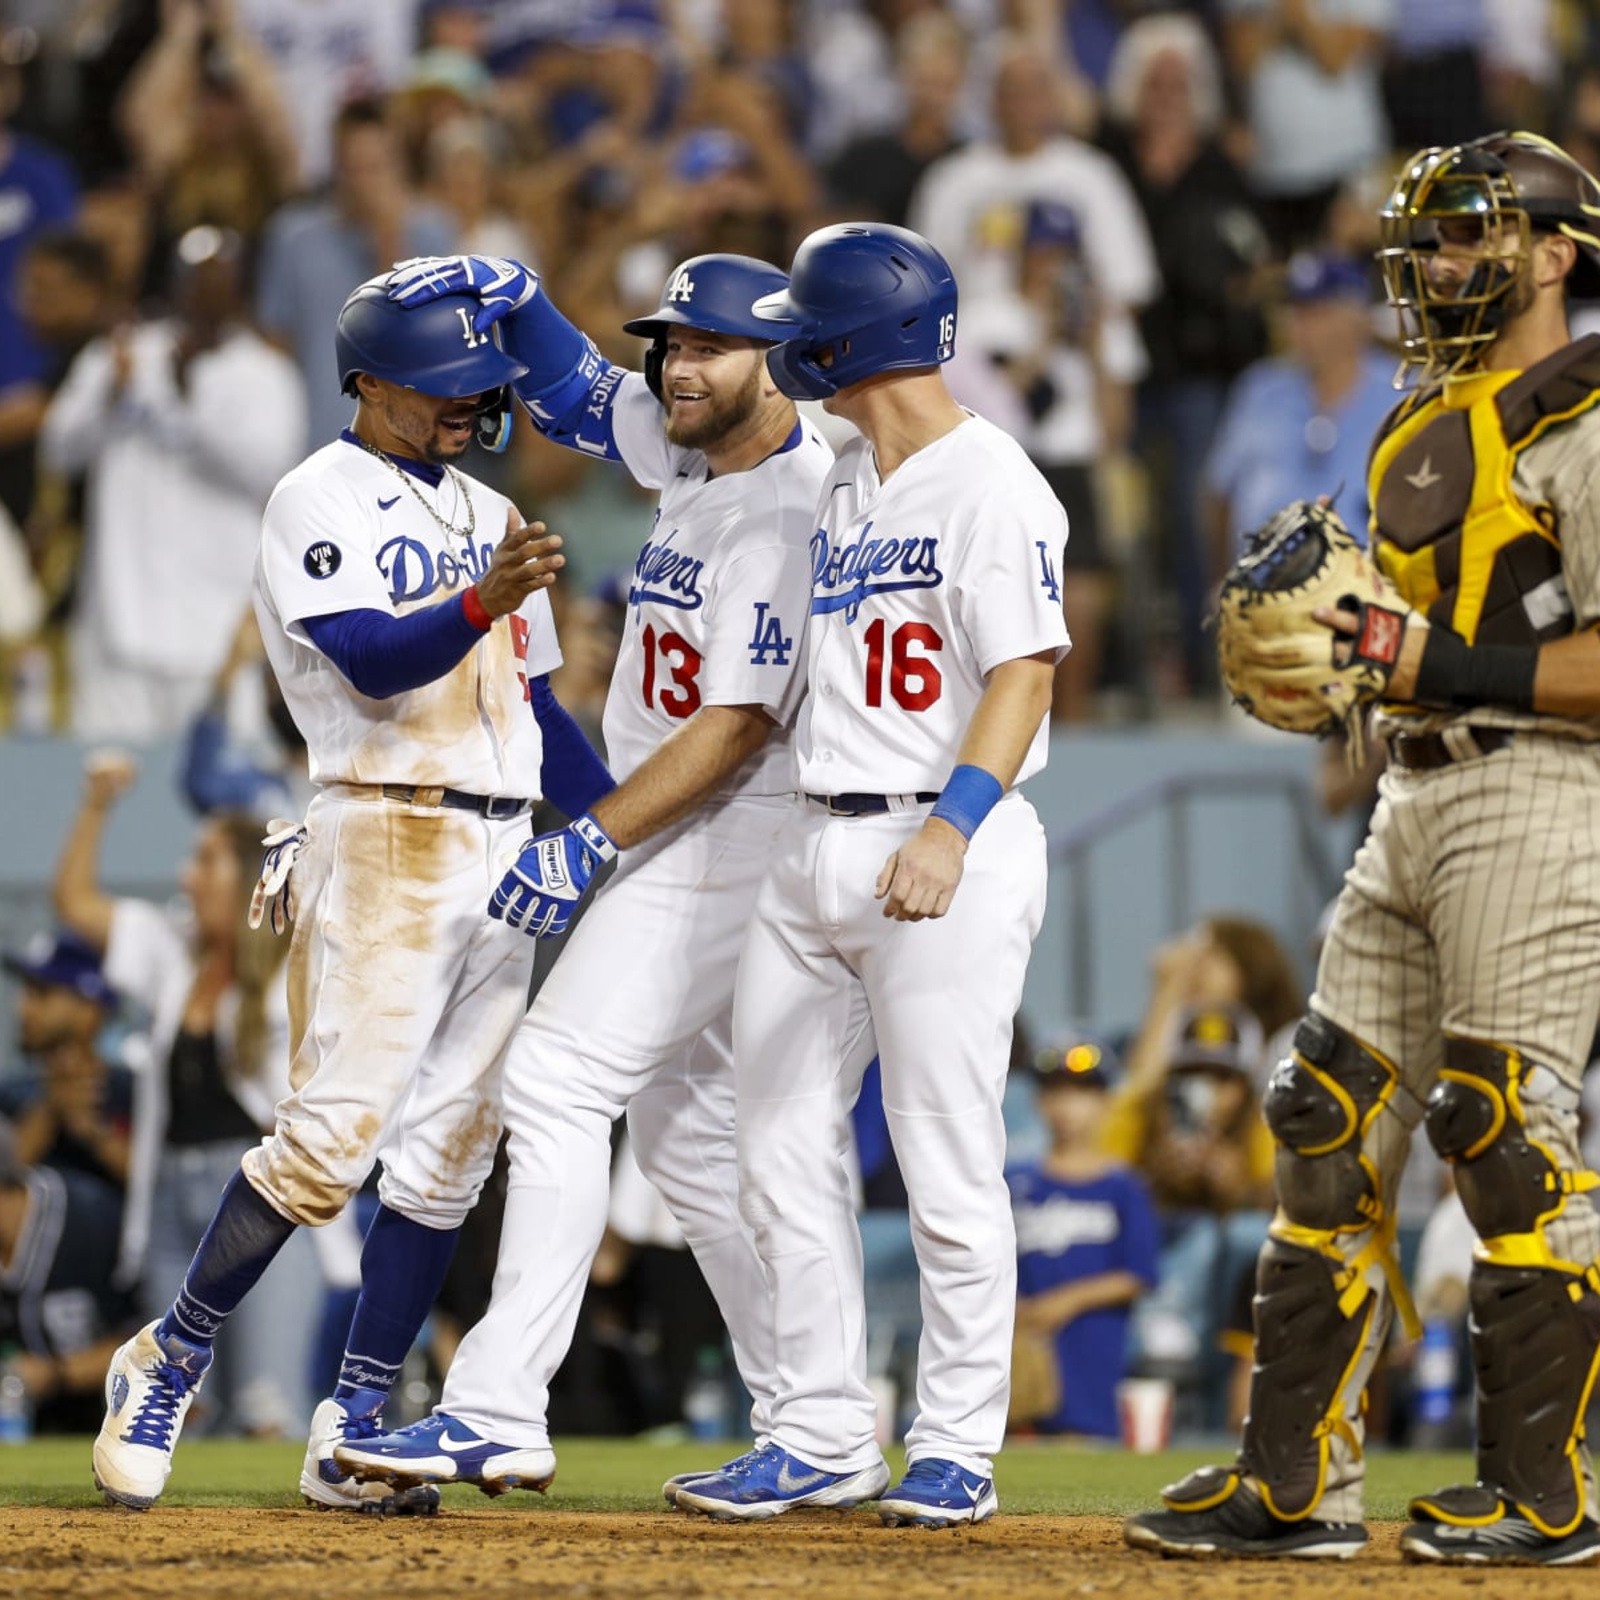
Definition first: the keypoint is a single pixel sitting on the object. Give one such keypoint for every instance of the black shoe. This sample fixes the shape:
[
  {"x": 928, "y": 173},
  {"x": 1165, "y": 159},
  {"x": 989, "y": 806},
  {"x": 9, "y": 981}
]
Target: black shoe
[
  {"x": 1224, "y": 1518},
  {"x": 1474, "y": 1525}
]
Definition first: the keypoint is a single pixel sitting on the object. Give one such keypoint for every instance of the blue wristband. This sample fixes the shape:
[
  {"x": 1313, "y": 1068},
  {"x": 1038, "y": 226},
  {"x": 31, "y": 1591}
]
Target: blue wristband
[{"x": 967, "y": 799}]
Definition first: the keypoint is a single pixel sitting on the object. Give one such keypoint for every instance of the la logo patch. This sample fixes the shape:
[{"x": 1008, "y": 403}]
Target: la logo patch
[
  {"x": 323, "y": 559},
  {"x": 681, "y": 286}
]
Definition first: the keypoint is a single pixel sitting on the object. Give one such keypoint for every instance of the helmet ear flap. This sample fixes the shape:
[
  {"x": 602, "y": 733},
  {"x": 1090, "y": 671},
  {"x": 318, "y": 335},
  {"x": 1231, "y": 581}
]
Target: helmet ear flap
[
  {"x": 492, "y": 421},
  {"x": 655, "y": 359}
]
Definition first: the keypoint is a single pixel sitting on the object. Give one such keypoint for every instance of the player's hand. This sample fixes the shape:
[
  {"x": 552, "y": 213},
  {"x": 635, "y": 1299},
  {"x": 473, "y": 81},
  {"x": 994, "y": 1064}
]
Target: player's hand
[
  {"x": 107, "y": 776},
  {"x": 285, "y": 840},
  {"x": 525, "y": 560},
  {"x": 541, "y": 891},
  {"x": 500, "y": 285},
  {"x": 1346, "y": 626},
  {"x": 919, "y": 880}
]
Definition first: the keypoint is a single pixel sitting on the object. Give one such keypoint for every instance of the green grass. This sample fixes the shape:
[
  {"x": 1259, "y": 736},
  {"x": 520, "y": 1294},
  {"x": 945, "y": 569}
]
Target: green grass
[{"x": 626, "y": 1474}]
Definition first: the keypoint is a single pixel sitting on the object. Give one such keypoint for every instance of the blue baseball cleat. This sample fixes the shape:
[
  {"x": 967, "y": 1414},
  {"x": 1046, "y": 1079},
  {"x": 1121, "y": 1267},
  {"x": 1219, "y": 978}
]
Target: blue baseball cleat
[
  {"x": 443, "y": 1449},
  {"x": 770, "y": 1481},
  {"x": 938, "y": 1494},
  {"x": 682, "y": 1480}
]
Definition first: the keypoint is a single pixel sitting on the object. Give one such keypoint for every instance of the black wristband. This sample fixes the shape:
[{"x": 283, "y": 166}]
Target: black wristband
[{"x": 1459, "y": 676}]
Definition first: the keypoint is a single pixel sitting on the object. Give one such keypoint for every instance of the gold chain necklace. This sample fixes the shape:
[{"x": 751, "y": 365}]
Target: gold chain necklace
[{"x": 449, "y": 471}]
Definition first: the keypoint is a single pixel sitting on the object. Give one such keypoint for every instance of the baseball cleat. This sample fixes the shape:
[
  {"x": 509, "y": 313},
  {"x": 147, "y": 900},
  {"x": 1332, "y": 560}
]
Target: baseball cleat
[
  {"x": 1475, "y": 1526},
  {"x": 1212, "y": 1512},
  {"x": 938, "y": 1494},
  {"x": 682, "y": 1480},
  {"x": 443, "y": 1449},
  {"x": 323, "y": 1482},
  {"x": 150, "y": 1385},
  {"x": 768, "y": 1482}
]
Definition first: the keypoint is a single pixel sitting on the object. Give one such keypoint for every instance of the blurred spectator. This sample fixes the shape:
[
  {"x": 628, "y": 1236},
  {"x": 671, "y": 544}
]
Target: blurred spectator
[
  {"x": 1198, "y": 1140},
  {"x": 461, "y": 180},
  {"x": 317, "y": 251},
  {"x": 874, "y": 176},
  {"x": 1308, "y": 71},
  {"x": 328, "y": 54},
  {"x": 1163, "y": 127},
  {"x": 1087, "y": 1241},
  {"x": 1301, "y": 425},
  {"x": 1522, "y": 65},
  {"x": 73, "y": 1109},
  {"x": 206, "y": 124},
  {"x": 62, "y": 291},
  {"x": 182, "y": 426},
  {"x": 219, "y": 1063},
  {"x": 61, "y": 1319},
  {"x": 37, "y": 190},
  {"x": 444, "y": 88},
  {"x": 1433, "y": 87},
  {"x": 225, "y": 772},
  {"x": 973, "y": 203}
]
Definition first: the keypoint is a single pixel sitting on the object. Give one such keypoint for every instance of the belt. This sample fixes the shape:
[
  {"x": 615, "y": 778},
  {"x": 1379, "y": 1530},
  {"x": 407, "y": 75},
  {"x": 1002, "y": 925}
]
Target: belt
[
  {"x": 496, "y": 807},
  {"x": 870, "y": 805},
  {"x": 1424, "y": 752}
]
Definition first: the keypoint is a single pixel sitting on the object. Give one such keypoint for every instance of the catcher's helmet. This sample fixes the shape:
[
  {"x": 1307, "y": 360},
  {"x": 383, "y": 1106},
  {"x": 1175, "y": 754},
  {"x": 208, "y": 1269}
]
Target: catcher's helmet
[
  {"x": 431, "y": 348},
  {"x": 1510, "y": 186},
  {"x": 715, "y": 294},
  {"x": 863, "y": 298}
]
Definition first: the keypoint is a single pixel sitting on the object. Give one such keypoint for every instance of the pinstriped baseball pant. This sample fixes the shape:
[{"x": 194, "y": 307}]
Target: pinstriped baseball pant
[{"x": 1473, "y": 909}]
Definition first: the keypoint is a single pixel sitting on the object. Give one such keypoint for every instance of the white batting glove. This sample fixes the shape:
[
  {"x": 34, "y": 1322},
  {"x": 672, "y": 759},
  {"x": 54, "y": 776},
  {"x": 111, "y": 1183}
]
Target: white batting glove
[
  {"x": 284, "y": 841},
  {"x": 500, "y": 284}
]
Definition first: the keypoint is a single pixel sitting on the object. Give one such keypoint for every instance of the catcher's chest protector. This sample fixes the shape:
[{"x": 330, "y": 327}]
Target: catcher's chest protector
[{"x": 1451, "y": 533}]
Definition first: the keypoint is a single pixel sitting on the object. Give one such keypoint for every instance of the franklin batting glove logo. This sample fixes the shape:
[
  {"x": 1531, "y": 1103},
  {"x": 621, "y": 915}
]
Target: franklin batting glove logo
[{"x": 322, "y": 559}]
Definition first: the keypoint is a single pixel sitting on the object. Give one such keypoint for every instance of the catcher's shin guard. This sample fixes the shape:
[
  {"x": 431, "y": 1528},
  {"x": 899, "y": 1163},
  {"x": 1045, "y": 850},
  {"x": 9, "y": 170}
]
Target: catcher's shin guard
[{"x": 1307, "y": 1349}]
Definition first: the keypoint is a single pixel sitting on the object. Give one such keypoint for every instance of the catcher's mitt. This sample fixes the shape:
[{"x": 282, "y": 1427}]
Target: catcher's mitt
[{"x": 1282, "y": 666}]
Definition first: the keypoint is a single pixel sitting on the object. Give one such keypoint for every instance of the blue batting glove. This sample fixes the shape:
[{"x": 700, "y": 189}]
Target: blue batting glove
[
  {"x": 540, "y": 893},
  {"x": 500, "y": 284}
]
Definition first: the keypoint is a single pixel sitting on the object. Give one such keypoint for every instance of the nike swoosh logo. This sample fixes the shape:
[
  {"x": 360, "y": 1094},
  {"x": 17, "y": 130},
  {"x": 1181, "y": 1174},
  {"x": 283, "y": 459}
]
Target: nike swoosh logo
[
  {"x": 789, "y": 1484},
  {"x": 383, "y": 505},
  {"x": 456, "y": 1446},
  {"x": 972, "y": 1491}
]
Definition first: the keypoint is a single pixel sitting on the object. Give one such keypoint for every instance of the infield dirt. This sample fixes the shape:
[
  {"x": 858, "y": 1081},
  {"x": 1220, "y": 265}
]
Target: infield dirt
[{"x": 305, "y": 1555}]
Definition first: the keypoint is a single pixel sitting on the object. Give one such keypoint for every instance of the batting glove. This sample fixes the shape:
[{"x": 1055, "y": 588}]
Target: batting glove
[
  {"x": 501, "y": 285},
  {"x": 284, "y": 841},
  {"x": 540, "y": 893}
]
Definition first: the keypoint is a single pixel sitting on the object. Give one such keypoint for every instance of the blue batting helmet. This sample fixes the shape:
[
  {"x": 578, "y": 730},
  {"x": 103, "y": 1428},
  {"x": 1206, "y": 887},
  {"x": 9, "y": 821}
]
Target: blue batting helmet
[
  {"x": 714, "y": 293},
  {"x": 432, "y": 348},
  {"x": 863, "y": 298}
]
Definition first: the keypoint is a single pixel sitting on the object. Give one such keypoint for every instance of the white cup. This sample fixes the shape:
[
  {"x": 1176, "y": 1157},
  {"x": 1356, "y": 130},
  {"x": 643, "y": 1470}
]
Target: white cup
[{"x": 1144, "y": 1407}]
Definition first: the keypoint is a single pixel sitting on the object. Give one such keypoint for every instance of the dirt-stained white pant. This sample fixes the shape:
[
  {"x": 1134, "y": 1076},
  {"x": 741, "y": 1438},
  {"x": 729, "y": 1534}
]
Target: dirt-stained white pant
[
  {"x": 635, "y": 1017},
  {"x": 823, "y": 973},
  {"x": 403, "y": 996}
]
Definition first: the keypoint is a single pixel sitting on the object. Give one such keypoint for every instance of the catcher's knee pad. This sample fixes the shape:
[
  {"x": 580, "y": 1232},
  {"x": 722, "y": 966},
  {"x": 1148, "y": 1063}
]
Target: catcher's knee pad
[
  {"x": 1535, "y": 1337},
  {"x": 1318, "y": 1103},
  {"x": 1476, "y": 1119},
  {"x": 1308, "y": 1344}
]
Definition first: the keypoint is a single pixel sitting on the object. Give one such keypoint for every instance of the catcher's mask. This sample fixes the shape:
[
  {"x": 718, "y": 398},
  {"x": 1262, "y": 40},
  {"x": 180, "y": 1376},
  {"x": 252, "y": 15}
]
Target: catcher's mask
[{"x": 1485, "y": 200}]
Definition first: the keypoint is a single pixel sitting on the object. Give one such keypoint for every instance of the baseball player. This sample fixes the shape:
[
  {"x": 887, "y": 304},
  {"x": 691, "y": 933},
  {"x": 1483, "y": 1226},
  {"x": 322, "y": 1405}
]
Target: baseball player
[
  {"x": 1457, "y": 984},
  {"x": 636, "y": 1015},
  {"x": 401, "y": 606},
  {"x": 904, "y": 893}
]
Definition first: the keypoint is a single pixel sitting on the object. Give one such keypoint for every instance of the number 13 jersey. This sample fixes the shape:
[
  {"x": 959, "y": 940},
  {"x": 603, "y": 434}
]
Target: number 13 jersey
[{"x": 920, "y": 587}]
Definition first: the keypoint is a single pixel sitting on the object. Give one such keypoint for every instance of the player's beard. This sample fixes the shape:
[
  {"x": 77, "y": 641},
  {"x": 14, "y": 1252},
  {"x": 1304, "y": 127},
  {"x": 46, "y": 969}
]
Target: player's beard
[{"x": 715, "y": 418}]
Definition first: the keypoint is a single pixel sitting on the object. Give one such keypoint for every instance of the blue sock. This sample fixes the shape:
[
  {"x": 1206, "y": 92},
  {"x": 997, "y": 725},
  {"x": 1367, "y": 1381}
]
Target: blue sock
[
  {"x": 245, "y": 1234},
  {"x": 403, "y": 1265}
]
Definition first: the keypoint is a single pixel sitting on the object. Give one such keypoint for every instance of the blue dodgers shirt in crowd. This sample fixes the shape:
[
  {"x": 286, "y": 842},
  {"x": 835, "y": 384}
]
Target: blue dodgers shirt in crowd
[{"x": 1067, "y": 1232}]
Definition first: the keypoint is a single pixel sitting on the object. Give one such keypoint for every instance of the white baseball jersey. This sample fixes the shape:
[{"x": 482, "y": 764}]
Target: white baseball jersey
[
  {"x": 719, "y": 593},
  {"x": 346, "y": 531},
  {"x": 907, "y": 624}
]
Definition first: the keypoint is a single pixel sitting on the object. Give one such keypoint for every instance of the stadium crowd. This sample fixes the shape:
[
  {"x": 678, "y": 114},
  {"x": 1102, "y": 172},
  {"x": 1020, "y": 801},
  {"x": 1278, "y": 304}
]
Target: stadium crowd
[{"x": 1161, "y": 220}]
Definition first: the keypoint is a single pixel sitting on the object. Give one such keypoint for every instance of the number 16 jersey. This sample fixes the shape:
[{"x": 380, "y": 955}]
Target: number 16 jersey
[{"x": 920, "y": 587}]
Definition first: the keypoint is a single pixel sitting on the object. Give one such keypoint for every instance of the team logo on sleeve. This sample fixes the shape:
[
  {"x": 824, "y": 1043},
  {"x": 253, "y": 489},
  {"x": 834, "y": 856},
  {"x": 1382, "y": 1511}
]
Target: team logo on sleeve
[
  {"x": 1047, "y": 571},
  {"x": 323, "y": 559},
  {"x": 769, "y": 644}
]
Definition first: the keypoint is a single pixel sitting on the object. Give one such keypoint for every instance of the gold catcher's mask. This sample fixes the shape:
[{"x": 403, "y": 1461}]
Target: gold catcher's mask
[{"x": 1486, "y": 199}]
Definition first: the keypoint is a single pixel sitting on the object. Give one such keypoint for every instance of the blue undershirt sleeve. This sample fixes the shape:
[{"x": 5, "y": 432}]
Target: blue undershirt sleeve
[
  {"x": 573, "y": 776},
  {"x": 384, "y": 655}
]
